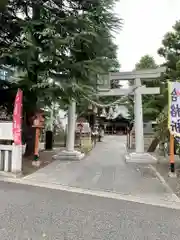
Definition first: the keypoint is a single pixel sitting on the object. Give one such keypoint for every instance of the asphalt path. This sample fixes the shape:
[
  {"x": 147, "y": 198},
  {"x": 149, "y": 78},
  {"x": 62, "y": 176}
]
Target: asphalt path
[{"x": 34, "y": 213}]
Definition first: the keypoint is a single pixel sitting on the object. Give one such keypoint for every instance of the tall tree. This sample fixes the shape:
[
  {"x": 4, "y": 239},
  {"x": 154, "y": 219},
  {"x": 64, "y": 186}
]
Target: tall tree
[
  {"x": 170, "y": 51},
  {"x": 146, "y": 62},
  {"x": 64, "y": 40},
  {"x": 68, "y": 41}
]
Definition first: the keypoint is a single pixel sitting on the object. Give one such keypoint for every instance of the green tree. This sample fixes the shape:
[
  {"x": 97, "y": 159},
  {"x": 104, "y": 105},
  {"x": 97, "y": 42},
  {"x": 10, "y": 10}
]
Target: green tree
[
  {"x": 69, "y": 44},
  {"x": 67, "y": 41},
  {"x": 170, "y": 51},
  {"x": 146, "y": 62}
]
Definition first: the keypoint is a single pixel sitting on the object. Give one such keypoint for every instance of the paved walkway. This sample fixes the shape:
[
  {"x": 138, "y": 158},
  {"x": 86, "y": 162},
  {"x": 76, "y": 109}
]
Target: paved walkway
[{"x": 105, "y": 170}]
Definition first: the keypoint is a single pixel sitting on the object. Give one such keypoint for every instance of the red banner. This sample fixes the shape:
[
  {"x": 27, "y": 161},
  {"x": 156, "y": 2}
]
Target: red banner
[{"x": 17, "y": 118}]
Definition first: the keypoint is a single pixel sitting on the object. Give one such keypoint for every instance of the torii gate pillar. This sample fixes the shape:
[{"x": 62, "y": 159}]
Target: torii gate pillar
[
  {"x": 138, "y": 112},
  {"x": 138, "y": 121},
  {"x": 70, "y": 154}
]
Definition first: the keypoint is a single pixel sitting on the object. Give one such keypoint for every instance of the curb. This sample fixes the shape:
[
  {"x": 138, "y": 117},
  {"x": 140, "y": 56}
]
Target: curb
[
  {"x": 17, "y": 175},
  {"x": 103, "y": 194}
]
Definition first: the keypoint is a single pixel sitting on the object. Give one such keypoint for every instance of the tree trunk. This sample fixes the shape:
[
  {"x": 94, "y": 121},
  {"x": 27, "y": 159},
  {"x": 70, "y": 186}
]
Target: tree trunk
[
  {"x": 153, "y": 145},
  {"x": 29, "y": 134},
  {"x": 30, "y": 141},
  {"x": 31, "y": 97}
]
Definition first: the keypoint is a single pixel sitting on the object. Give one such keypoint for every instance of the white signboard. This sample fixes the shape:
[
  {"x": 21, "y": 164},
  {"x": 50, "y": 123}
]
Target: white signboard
[
  {"x": 85, "y": 127},
  {"x": 174, "y": 108},
  {"x": 103, "y": 82},
  {"x": 6, "y": 132}
]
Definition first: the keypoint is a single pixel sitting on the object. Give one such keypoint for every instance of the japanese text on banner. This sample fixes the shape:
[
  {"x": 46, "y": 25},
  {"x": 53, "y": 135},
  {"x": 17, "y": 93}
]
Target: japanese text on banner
[{"x": 174, "y": 108}]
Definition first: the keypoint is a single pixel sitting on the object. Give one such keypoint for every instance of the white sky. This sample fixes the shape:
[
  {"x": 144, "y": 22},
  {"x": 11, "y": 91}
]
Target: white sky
[{"x": 145, "y": 23}]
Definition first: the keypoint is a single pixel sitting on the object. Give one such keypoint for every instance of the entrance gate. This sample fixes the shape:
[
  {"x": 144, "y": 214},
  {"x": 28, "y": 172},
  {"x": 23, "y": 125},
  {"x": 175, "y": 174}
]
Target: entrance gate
[{"x": 137, "y": 89}]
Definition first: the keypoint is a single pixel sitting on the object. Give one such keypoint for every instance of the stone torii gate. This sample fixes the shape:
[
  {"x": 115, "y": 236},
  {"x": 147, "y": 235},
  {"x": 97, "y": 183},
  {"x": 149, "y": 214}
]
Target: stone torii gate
[{"x": 137, "y": 90}]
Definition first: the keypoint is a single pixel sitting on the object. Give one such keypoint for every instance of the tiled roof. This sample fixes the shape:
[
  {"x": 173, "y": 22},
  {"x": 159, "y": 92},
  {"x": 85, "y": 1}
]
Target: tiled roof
[{"x": 120, "y": 110}]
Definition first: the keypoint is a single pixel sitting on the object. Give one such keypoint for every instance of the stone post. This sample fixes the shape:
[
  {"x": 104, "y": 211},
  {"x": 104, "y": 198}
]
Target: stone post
[
  {"x": 139, "y": 133},
  {"x": 71, "y": 127},
  {"x": 70, "y": 153},
  {"x": 16, "y": 163}
]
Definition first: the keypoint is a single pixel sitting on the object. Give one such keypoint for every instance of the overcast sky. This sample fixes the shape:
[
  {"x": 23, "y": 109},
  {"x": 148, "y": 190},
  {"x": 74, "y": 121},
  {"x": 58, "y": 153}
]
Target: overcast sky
[{"x": 145, "y": 23}]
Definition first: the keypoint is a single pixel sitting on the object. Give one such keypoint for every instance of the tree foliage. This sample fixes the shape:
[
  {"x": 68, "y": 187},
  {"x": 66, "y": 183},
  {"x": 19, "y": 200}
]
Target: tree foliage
[
  {"x": 67, "y": 41},
  {"x": 58, "y": 47},
  {"x": 170, "y": 51},
  {"x": 146, "y": 62}
]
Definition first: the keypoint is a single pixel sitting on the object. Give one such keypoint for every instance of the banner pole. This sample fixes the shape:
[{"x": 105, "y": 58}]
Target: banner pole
[{"x": 171, "y": 150}]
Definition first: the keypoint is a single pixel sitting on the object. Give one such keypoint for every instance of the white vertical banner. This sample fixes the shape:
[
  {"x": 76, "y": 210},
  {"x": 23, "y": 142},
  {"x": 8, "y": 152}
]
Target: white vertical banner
[{"x": 174, "y": 108}]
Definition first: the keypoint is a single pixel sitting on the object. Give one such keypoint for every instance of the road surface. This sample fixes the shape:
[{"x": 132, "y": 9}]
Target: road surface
[{"x": 36, "y": 213}]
